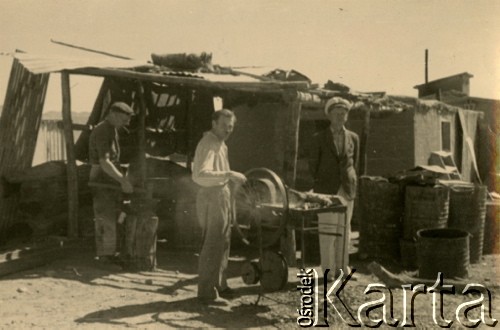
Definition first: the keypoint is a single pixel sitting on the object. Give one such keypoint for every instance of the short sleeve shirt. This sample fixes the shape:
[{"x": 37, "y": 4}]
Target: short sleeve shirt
[{"x": 104, "y": 141}]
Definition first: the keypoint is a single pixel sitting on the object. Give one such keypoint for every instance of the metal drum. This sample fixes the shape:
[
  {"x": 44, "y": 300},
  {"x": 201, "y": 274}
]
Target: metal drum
[
  {"x": 468, "y": 212},
  {"x": 443, "y": 250},
  {"x": 381, "y": 218},
  {"x": 425, "y": 207}
]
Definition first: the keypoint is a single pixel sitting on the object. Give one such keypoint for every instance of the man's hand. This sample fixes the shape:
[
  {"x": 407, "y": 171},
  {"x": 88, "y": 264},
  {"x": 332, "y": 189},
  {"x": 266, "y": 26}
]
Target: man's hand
[
  {"x": 237, "y": 178},
  {"x": 126, "y": 186}
]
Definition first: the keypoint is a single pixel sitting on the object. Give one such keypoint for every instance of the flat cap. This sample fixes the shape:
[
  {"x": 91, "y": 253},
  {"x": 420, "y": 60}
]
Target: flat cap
[
  {"x": 122, "y": 107},
  {"x": 339, "y": 102}
]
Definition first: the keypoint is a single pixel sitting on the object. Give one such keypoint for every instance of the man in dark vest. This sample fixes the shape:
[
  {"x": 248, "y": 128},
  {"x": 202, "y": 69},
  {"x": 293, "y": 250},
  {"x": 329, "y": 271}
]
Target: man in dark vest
[{"x": 333, "y": 162}]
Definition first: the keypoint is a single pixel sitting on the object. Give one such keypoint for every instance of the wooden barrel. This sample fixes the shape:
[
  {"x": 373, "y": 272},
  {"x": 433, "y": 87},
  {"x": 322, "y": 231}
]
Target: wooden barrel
[
  {"x": 468, "y": 212},
  {"x": 381, "y": 205},
  {"x": 443, "y": 250},
  {"x": 425, "y": 207},
  {"x": 140, "y": 236}
]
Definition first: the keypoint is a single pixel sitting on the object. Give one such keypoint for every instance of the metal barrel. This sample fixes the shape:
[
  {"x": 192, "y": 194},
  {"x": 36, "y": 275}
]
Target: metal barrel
[
  {"x": 381, "y": 212},
  {"x": 425, "y": 207},
  {"x": 443, "y": 250},
  {"x": 468, "y": 212}
]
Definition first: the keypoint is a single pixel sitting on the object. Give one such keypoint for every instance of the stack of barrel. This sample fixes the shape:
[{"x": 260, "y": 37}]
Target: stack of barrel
[
  {"x": 381, "y": 210},
  {"x": 424, "y": 207},
  {"x": 427, "y": 226},
  {"x": 450, "y": 236}
]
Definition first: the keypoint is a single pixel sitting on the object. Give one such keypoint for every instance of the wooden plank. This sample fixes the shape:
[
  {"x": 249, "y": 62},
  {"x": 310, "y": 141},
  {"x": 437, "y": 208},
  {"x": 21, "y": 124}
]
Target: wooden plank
[
  {"x": 33, "y": 260},
  {"x": 17, "y": 260},
  {"x": 71, "y": 171}
]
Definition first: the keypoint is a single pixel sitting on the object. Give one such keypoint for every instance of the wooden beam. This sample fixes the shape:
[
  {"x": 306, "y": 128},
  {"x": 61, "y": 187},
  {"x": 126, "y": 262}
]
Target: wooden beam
[
  {"x": 292, "y": 143},
  {"x": 71, "y": 170},
  {"x": 76, "y": 127},
  {"x": 287, "y": 242},
  {"x": 35, "y": 255},
  {"x": 365, "y": 133},
  {"x": 89, "y": 50},
  {"x": 141, "y": 136},
  {"x": 189, "y": 128}
]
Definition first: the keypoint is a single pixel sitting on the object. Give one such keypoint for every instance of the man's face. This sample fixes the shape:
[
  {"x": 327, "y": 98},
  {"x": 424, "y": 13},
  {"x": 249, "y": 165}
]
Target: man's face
[
  {"x": 338, "y": 116},
  {"x": 223, "y": 127},
  {"x": 122, "y": 119}
]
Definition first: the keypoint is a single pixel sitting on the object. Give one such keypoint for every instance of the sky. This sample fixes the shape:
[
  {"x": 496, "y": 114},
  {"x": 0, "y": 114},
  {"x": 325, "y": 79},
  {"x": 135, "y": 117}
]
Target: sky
[{"x": 375, "y": 45}]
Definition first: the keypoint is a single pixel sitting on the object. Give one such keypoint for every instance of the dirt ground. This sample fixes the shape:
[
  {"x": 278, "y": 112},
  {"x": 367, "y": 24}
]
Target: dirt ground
[{"x": 79, "y": 292}]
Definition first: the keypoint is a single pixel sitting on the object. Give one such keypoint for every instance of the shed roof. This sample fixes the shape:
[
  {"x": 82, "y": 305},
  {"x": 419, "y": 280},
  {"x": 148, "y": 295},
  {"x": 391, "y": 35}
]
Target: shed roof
[
  {"x": 133, "y": 69},
  {"x": 440, "y": 80}
]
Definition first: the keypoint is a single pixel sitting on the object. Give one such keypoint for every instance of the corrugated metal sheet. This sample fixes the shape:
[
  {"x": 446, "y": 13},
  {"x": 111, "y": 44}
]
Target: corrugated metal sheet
[
  {"x": 19, "y": 123},
  {"x": 50, "y": 144},
  {"x": 46, "y": 64}
]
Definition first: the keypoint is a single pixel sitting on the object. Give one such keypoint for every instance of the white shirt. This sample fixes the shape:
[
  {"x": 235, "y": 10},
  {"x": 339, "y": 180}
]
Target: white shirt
[{"x": 210, "y": 164}]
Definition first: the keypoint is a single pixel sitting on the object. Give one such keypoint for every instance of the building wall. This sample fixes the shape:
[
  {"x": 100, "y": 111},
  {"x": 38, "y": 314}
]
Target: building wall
[
  {"x": 259, "y": 137},
  {"x": 427, "y": 125},
  {"x": 487, "y": 135},
  {"x": 390, "y": 143}
]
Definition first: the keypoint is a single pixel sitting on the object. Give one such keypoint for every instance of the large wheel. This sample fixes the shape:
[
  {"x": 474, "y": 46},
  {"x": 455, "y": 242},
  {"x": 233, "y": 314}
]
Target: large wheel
[
  {"x": 273, "y": 271},
  {"x": 261, "y": 208}
]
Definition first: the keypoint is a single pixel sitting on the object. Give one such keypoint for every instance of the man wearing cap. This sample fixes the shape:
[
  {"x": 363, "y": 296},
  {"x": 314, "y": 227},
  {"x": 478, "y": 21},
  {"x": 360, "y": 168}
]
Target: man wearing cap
[
  {"x": 104, "y": 157},
  {"x": 214, "y": 208},
  {"x": 333, "y": 162}
]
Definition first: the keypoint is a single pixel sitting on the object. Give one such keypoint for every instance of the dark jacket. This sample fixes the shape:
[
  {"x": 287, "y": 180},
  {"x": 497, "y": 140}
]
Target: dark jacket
[{"x": 330, "y": 170}]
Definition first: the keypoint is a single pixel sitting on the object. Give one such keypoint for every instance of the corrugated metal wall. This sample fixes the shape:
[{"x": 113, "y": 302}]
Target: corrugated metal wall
[
  {"x": 50, "y": 144},
  {"x": 19, "y": 123}
]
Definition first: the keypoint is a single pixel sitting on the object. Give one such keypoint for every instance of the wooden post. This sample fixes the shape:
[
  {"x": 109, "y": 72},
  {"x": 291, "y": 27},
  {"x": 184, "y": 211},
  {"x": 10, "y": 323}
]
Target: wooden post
[
  {"x": 141, "y": 228},
  {"x": 287, "y": 242},
  {"x": 189, "y": 127},
  {"x": 292, "y": 143},
  {"x": 141, "y": 136},
  {"x": 71, "y": 170},
  {"x": 363, "y": 143}
]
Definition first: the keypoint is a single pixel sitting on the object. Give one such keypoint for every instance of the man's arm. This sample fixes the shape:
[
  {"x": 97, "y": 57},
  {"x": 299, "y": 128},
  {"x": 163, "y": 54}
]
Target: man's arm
[
  {"x": 110, "y": 169},
  {"x": 204, "y": 172}
]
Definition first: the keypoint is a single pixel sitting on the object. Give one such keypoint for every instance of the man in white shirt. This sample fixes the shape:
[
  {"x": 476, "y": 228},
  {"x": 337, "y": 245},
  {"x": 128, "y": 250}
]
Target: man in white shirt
[{"x": 211, "y": 171}]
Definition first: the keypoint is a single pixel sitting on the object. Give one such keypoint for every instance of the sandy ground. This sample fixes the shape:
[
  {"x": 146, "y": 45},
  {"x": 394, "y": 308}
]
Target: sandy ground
[{"x": 79, "y": 292}]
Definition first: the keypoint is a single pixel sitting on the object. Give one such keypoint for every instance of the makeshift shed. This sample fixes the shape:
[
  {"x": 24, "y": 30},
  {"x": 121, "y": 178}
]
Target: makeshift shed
[{"x": 173, "y": 107}]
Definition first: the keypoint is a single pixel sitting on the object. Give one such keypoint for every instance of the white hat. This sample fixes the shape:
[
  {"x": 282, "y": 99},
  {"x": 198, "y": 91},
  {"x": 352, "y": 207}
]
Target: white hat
[{"x": 337, "y": 102}]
